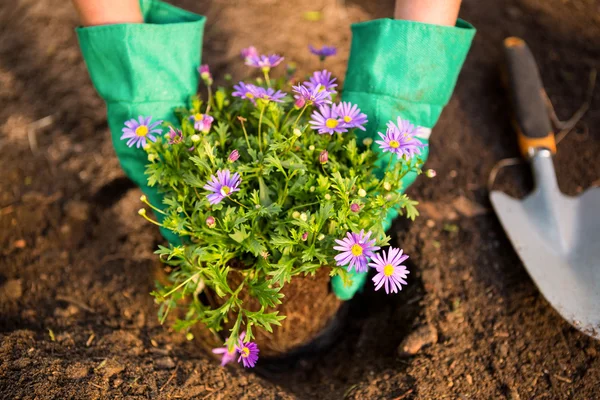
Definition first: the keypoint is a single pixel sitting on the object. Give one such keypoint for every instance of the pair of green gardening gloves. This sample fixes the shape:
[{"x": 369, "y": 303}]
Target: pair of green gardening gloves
[{"x": 396, "y": 69}]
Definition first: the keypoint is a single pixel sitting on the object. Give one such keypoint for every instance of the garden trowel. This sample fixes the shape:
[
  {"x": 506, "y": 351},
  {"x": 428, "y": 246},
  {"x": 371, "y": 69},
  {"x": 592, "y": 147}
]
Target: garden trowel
[{"x": 556, "y": 236}]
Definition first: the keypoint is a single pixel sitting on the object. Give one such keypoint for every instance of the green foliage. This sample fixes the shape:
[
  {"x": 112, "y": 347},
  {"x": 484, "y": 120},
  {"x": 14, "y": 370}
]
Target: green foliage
[{"x": 283, "y": 221}]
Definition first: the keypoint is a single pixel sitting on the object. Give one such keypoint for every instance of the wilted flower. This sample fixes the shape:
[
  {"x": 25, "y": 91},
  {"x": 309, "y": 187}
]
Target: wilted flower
[
  {"x": 205, "y": 74},
  {"x": 354, "y": 207},
  {"x": 430, "y": 173},
  {"x": 322, "y": 78},
  {"x": 249, "y": 52},
  {"x": 400, "y": 139},
  {"x": 138, "y": 130},
  {"x": 211, "y": 222},
  {"x": 326, "y": 120},
  {"x": 264, "y": 62},
  {"x": 233, "y": 156},
  {"x": 248, "y": 352},
  {"x": 324, "y": 157},
  {"x": 323, "y": 52},
  {"x": 351, "y": 115},
  {"x": 222, "y": 185},
  {"x": 227, "y": 357},
  {"x": 202, "y": 122},
  {"x": 175, "y": 136},
  {"x": 390, "y": 272},
  {"x": 312, "y": 96},
  {"x": 354, "y": 250}
]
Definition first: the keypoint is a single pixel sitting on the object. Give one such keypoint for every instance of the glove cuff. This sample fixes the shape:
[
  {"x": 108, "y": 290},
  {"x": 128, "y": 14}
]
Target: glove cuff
[
  {"x": 409, "y": 68},
  {"x": 153, "y": 61}
]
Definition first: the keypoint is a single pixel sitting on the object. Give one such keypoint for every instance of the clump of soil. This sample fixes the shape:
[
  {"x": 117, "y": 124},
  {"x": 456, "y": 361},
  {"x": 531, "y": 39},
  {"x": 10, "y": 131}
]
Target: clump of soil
[{"x": 76, "y": 319}]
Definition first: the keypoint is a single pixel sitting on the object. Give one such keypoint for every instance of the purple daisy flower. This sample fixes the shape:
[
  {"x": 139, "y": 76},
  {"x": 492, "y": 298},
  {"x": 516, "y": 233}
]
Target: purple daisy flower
[
  {"x": 202, "y": 122},
  {"x": 264, "y": 62},
  {"x": 138, "y": 130},
  {"x": 322, "y": 78},
  {"x": 390, "y": 271},
  {"x": 249, "y": 52},
  {"x": 326, "y": 120},
  {"x": 269, "y": 94},
  {"x": 323, "y": 52},
  {"x": 245, "y": 91},
  {"x": 400, "y": 139},
  {"x": 248, "y": 352},
  {"x": 355, "y": 248},
  {"x": 314, "y": 96},
  {"x": 222, "y": 185},
  {"x": 351, "y": 115}
]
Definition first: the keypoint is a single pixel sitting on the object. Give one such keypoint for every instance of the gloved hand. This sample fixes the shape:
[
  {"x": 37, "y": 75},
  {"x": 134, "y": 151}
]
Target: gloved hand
[
  {"x": 144, "y": 69},
  {"x": 402, "y": 69}
]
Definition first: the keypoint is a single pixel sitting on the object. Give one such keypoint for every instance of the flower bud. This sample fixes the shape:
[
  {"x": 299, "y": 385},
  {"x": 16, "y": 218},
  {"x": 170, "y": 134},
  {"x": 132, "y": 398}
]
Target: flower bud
[
  {"x": 362, "y": 192},
  {"x": 195, "y": 138},
  {"x": 324, "y": 157},
  {"x": 300, "y": 102},
  {"x": 311, "y": 147},
  {"x": 297, "y": 132},
  {"x": 296, "y": 214},
  {"x": 151, "y": 157},
  {"x": 304, "y": 236},
  {"x": 143, "y": 198},
  {"x": 430, "y": 173},
  {"x": 321, "y": 237},
  {"x": 387, "y": 186},
  {"x": 304, "y": 217},
  {"x": 142, "y": 211},
  {"x": 367, "y": 141},
  {"x": 354, "y": 207},
  {"x": 233, "y": 156},
  {"x": 327, "y": 196},
  {"x": 146, "y": 147},
  {"x": 312, "y": 189},
  {"x": 211, "y": 222}
]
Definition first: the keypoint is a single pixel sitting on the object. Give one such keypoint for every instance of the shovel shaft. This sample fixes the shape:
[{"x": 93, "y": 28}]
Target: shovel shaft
[{"x": 528, "y": 99}]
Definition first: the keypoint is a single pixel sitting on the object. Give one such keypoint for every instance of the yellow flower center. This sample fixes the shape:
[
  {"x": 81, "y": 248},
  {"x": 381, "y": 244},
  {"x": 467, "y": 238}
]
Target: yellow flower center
[
  {"x": 245, "y": 352},
  {"x": 225, "y": 190},
  {"x": 388, "y": 270},
  {"x": 347, "y": 119},
  {"x": 356, "y": 250},
  {"x": 198, "y": 117},
  {"x": 394, "y": 144},
  {"x": 321, "y": 88},
  {"x": 331, "y": 123},
  {"x": 141, "y": 130},
  {"x": 249, "y": 95}
]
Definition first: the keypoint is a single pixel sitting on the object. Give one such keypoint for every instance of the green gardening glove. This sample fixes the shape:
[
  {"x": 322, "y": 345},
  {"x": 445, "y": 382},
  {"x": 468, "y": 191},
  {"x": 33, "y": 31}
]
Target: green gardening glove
[
  {"x": 144, "y": 69},
  {"x": 401, "y": 69}
]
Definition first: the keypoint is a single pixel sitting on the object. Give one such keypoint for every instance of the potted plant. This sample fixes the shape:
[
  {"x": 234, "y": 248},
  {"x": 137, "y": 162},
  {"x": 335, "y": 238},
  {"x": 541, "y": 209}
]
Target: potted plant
[{"x": 272, "y": 193}]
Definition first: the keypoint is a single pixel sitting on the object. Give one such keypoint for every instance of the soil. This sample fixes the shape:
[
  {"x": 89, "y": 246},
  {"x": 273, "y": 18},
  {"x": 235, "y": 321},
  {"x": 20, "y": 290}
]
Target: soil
[{"x": 76, "y": 319}]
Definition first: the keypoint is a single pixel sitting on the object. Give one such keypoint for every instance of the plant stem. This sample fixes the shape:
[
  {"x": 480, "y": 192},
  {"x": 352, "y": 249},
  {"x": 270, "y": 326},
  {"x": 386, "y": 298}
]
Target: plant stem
[
  {"x": 262, "y": 111},
  {"x": 245, "y": 134},
  {"x": 238, "y": 203},
  {"x": 299, "y": 115},
  {"x": 266, "y": 74}
]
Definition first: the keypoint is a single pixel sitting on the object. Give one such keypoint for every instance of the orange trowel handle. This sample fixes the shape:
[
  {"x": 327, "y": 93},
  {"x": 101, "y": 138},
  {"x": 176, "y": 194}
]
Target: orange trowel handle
[{"x": 528, "y": 98}]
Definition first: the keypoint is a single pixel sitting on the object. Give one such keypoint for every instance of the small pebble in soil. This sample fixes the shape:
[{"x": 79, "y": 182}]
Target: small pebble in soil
[
  {"x": 164, "y": 363},
  {"x": 423, "y": 336},
  {"x": 12, "y": 289}
]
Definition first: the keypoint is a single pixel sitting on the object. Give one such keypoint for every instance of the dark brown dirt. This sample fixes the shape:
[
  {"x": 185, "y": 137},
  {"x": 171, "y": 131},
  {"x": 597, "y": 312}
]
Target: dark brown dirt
[{"x": 76, "y": 320}]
